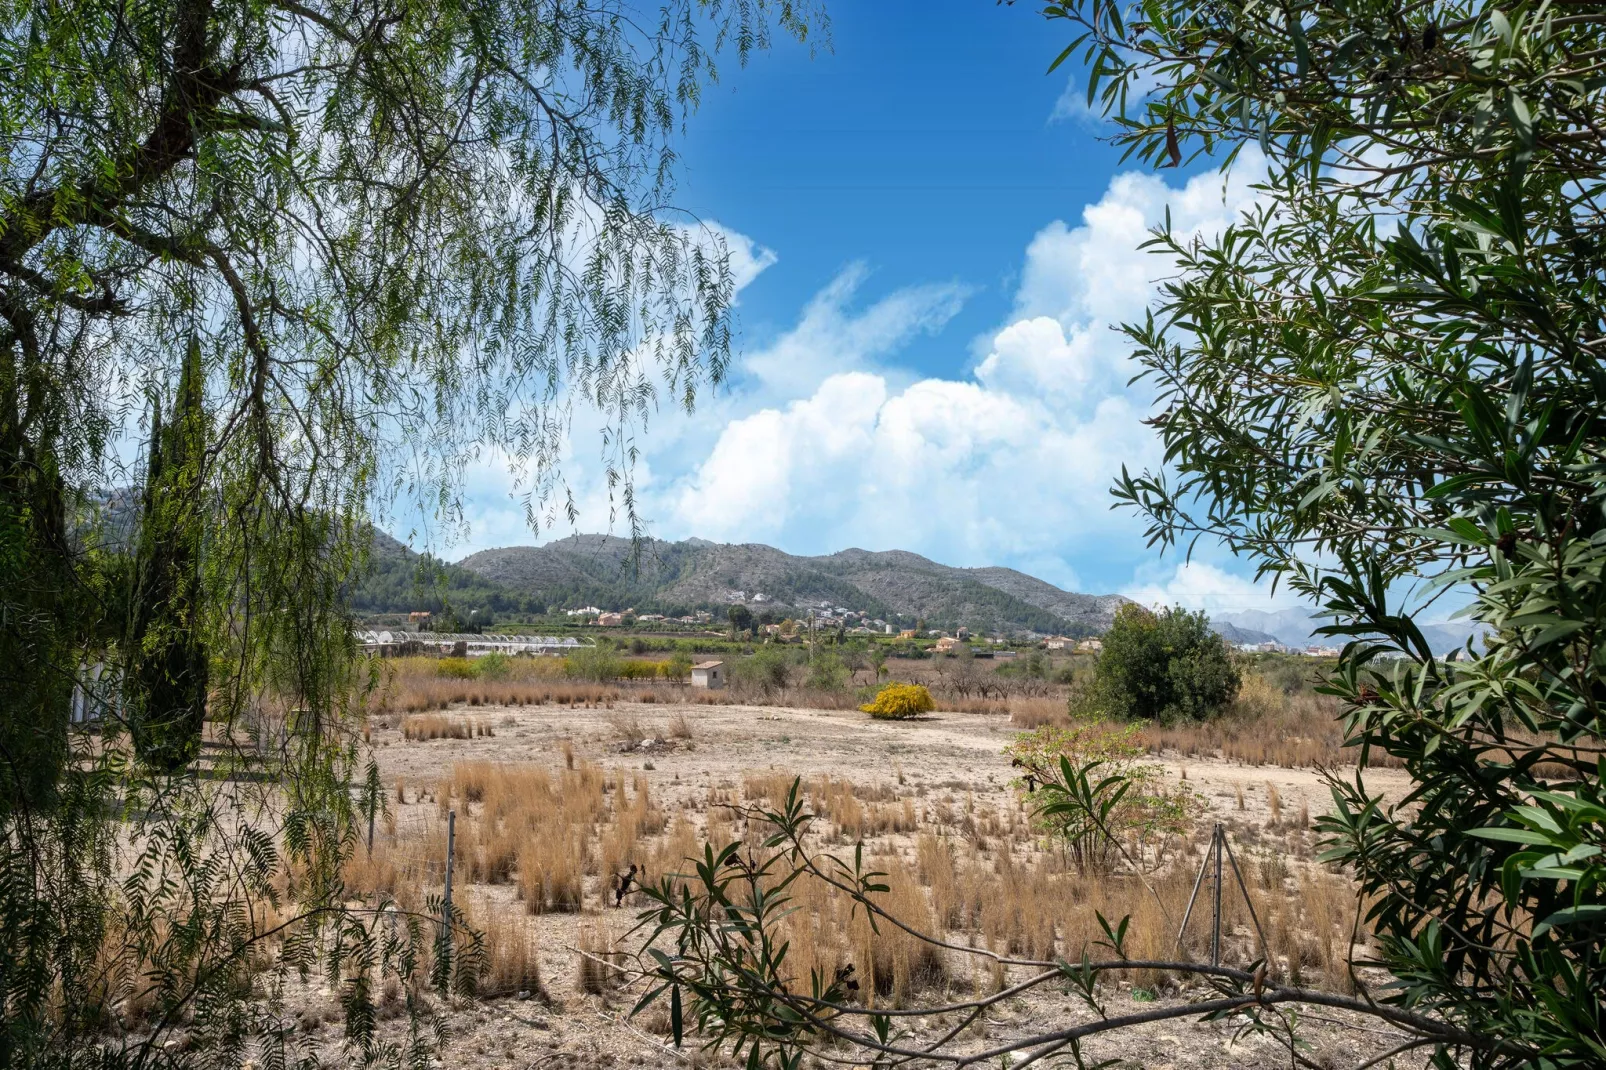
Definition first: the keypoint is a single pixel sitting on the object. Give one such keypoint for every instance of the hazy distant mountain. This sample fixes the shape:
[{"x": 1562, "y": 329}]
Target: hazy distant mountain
[
  {"x": 1296, "y": 628},
  {"x": 677, "y": 577},
  {"x": 1234, "y": 634},
  {"x": 1291, "y": 627}
]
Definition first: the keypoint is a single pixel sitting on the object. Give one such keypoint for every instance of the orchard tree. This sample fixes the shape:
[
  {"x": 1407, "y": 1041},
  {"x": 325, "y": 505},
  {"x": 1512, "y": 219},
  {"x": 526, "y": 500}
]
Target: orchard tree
[
  {"x": 316, "y": 254},
  {"x": 1385, "y": 386}
]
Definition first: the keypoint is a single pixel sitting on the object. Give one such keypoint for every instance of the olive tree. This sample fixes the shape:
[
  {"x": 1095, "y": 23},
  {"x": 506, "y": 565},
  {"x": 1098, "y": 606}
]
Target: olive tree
[
  {"x": 1384, "y": 386},
  {"x": 316, "y": 254}
]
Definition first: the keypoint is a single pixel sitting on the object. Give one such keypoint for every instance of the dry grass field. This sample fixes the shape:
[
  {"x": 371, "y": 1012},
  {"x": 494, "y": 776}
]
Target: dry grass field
[{"x": 554, "y": 800}]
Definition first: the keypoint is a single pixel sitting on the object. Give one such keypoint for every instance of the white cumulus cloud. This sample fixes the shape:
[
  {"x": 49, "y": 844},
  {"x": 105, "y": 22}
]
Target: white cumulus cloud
[
  {"x": 831, "y": 336},
  {"x": 827, "y": 440},
  {"x": 1035, "y": 354},
  {"x": 1011, "y": 465},
  {"x": 1096, "y": 272},
  {"x": 1201, "y": 585}
]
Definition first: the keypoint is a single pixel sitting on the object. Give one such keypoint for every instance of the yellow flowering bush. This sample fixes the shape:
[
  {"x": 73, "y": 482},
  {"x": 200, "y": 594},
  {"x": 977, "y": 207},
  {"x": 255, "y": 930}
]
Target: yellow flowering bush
[{"x": 897, "y": 701}]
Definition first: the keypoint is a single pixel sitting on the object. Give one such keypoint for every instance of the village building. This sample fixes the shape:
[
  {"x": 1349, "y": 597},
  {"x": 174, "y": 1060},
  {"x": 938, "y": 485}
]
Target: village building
[{"x": 708, "y": 674}]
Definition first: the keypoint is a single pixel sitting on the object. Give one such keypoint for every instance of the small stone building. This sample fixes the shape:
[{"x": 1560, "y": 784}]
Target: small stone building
[{"x": 709, "y": 674}]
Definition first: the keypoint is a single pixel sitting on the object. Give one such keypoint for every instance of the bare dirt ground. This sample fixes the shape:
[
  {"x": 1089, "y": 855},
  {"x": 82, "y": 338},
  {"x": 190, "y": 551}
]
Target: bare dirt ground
[{"x": 942, "y": 754}]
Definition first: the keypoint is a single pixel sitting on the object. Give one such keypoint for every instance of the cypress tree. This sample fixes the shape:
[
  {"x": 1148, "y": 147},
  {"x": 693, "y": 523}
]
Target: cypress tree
[
  {"x": 35, "y": 642},
  {"x": 167, "y": 656}
]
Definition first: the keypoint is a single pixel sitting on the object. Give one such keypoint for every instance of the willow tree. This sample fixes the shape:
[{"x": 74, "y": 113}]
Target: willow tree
[
  {"x": 1384, "y": 385},
  {"x": 339, "y": 247}
]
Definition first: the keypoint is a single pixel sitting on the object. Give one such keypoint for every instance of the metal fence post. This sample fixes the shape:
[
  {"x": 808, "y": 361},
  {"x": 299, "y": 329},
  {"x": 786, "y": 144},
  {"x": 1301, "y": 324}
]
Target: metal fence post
[
  {"x": 451, "y": 843},
  {"x": 1215, "y": 931},
  {"x": 446, "y": 899}
]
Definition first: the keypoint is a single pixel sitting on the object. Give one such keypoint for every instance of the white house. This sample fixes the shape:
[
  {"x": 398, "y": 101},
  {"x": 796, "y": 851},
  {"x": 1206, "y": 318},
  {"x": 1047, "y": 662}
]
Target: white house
[
  {"x": 94, "y": 693},
  {"x": 709, "y": 674}
]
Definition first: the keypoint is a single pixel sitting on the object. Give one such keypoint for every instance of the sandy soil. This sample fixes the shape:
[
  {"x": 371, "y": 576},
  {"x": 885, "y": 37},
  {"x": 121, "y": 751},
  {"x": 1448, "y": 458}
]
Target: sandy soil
[{"x": 947, "y": 753}]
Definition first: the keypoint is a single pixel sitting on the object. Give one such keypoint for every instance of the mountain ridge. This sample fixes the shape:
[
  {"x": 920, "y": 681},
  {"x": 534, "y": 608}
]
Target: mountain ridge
[
  {"x": 676, "y": 578},
  {"x": 898, "y": 586}
]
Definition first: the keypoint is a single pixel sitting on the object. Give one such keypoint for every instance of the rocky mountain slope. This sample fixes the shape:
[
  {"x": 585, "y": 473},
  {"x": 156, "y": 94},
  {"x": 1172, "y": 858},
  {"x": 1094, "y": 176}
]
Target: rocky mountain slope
[
  {"x": 678, "y": 577},
  {"x": 1234, "y": 634}
]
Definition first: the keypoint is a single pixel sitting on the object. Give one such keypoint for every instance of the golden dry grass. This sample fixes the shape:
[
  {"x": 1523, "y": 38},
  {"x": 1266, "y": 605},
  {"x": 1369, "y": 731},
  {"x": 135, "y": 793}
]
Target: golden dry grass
[
  {"x": 600, "y": 968},
  {"x": 966, "y": 870},
  {"x": 1029, "y": 713},
  {"x": 1263, "y": 727},
  {"x": 510, "y": 961},
  {"x": 443, "y": 726}
]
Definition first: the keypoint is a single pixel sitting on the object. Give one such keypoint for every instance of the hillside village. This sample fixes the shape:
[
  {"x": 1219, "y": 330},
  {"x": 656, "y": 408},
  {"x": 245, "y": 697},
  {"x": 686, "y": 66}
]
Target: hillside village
[
  {"x": 692, "y": 587},
  {"x": 824, "y": 620}
]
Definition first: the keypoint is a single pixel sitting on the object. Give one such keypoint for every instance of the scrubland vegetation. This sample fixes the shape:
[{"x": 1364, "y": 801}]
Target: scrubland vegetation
[
  {"x": 1275, "y": 718},
  {"x": 986, "y": 873},
  {"x": 267, "y": 266}
]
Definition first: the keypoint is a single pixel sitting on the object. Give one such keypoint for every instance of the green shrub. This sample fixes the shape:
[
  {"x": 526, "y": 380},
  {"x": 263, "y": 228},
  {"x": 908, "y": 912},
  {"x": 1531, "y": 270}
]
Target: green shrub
[
  {"x": 493, "y": 666},
  {"x": 1165, "y": 666},
  {"x": 455, "y": 669},
  {"x": 828, "y": 672},
  {"x": 640, "y": 670},
  {"x": 895, "y": 702},
  {"x": 597, "y": 664},
  {"x": 1090, "y": 792},
  {"x": 767, "y": 671}
]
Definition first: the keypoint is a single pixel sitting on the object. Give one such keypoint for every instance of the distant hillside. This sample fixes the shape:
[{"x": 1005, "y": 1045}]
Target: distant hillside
[
  {"x": 679, "y": 577},
  {"x": 1234, "y": 634},
  {"x": 400, "y": 581}
]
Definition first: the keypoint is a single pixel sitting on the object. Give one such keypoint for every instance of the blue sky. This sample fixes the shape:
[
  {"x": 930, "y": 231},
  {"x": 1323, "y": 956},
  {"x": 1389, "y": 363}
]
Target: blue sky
[{"x": 935, "y": 244}]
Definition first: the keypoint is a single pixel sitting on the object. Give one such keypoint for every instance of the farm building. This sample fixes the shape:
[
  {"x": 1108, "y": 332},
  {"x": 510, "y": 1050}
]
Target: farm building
[{"x": 709, "y": 674}]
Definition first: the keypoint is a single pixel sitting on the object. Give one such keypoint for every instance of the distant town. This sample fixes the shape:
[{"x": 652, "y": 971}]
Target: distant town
[{"x": 740, "y": 621}]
